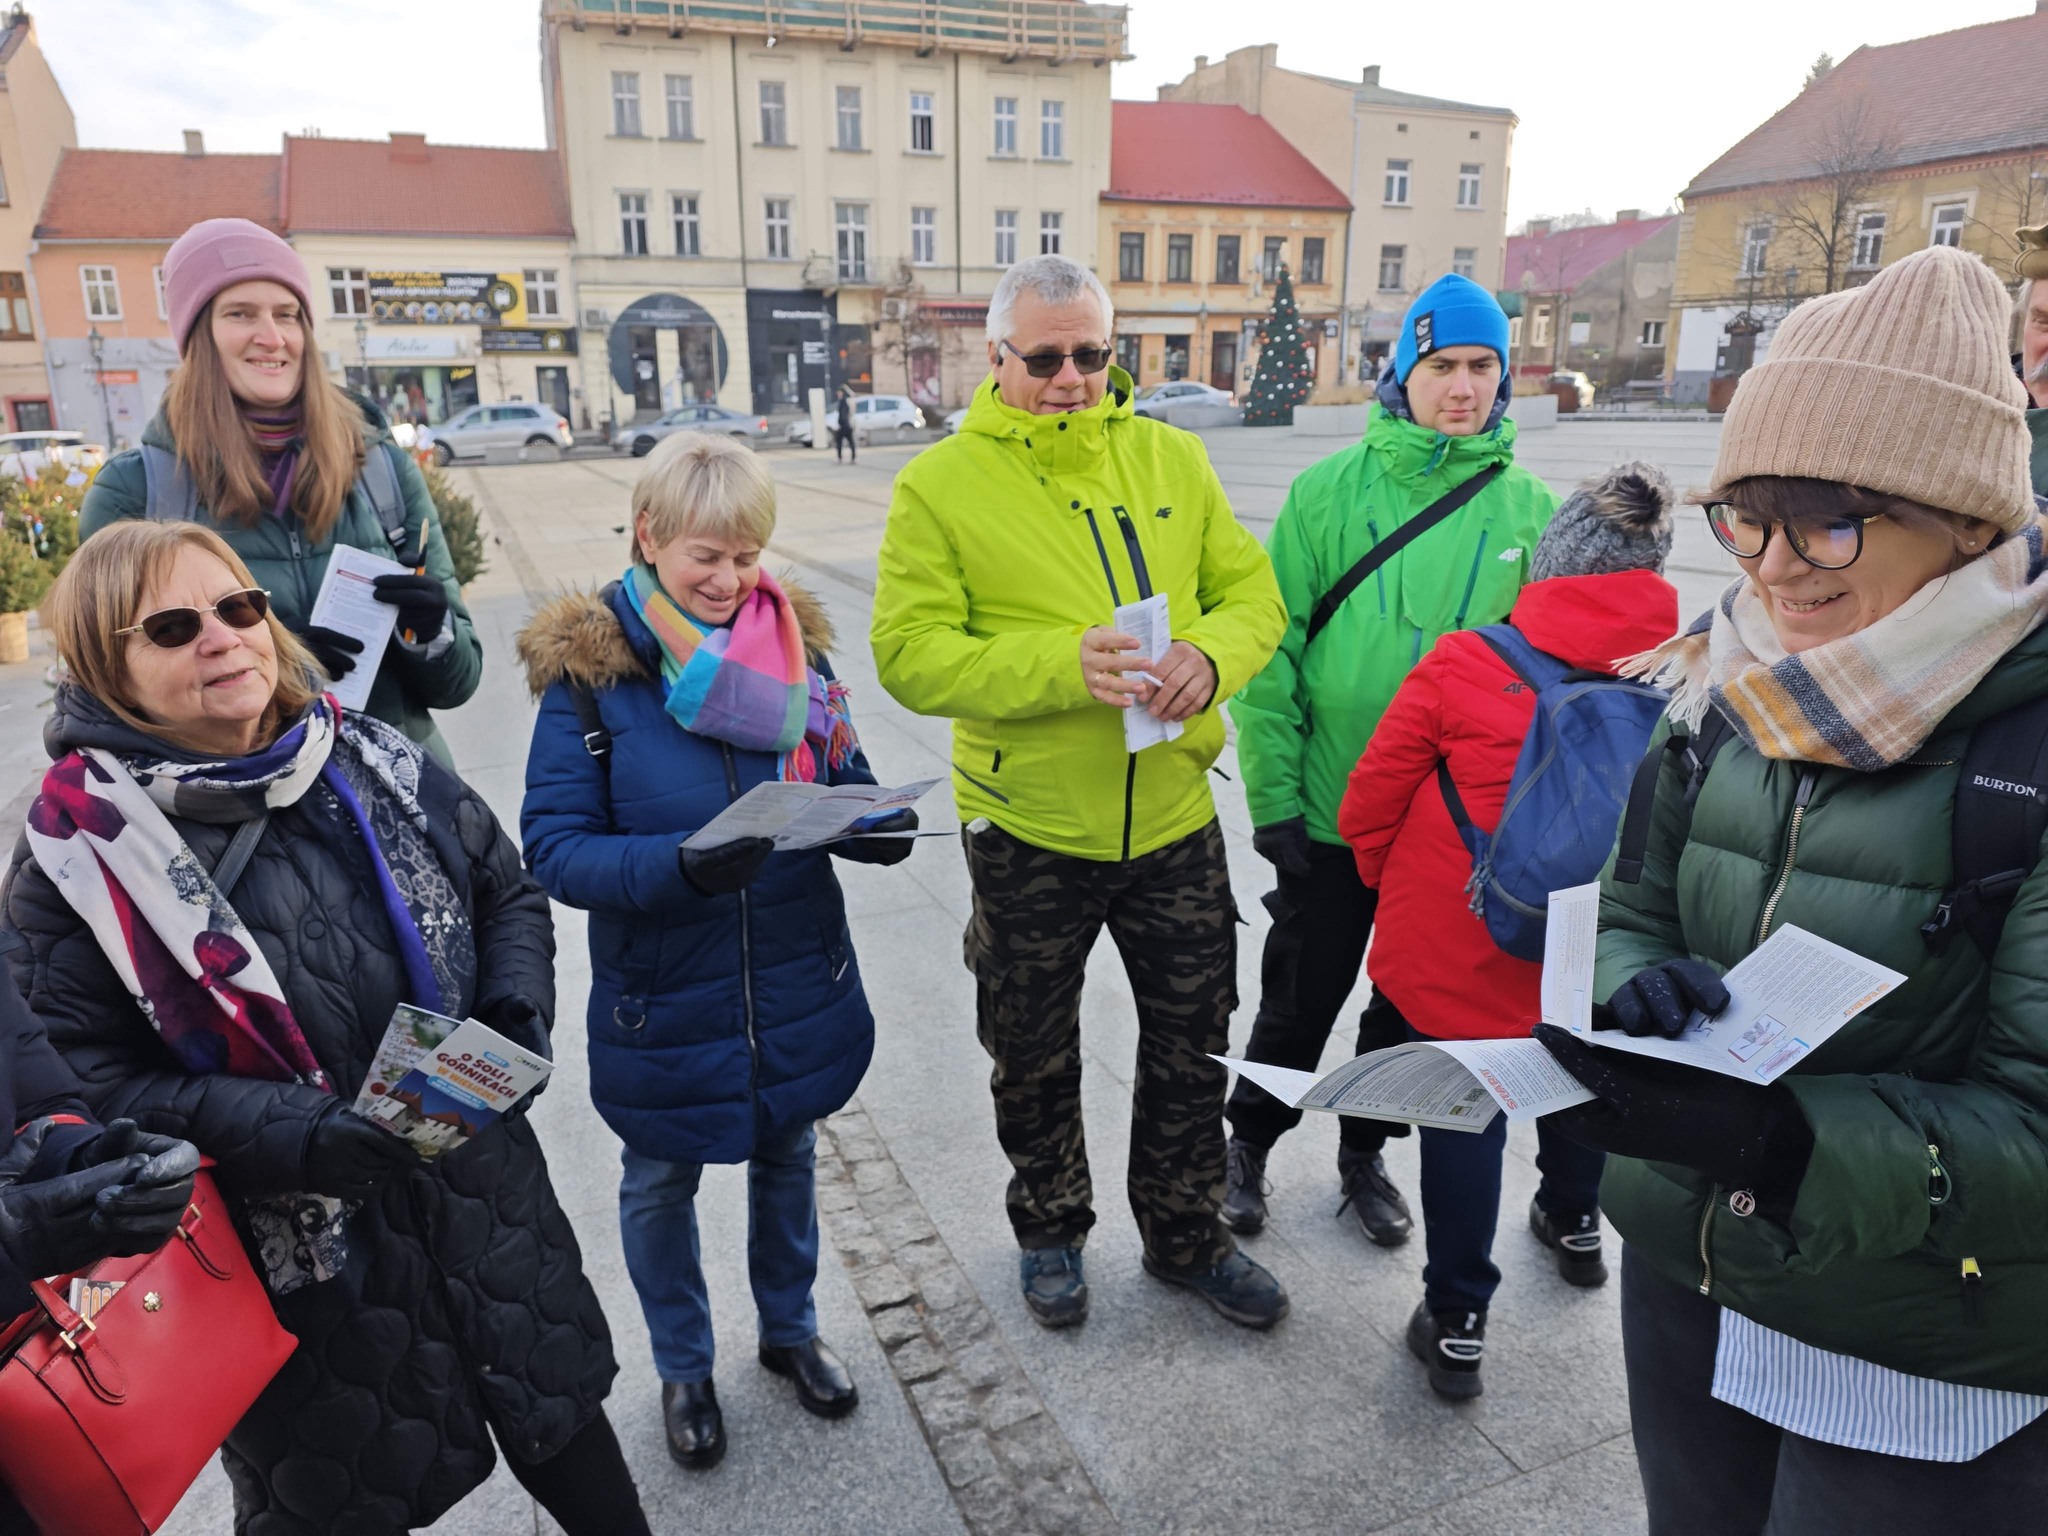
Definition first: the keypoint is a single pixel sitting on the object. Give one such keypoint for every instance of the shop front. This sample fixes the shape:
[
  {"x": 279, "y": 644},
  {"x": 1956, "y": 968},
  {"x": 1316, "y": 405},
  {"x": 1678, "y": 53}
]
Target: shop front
[
  {"x": 665, "y": 350},
  {"x": 422, "y": 377},
  {"x": 539, "y": 354},
  {"x": 791, "y": 341}
]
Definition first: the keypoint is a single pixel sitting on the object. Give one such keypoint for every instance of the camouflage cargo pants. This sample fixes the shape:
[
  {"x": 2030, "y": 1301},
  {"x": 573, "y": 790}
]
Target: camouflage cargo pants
[{"x": 1170, "y": 914}]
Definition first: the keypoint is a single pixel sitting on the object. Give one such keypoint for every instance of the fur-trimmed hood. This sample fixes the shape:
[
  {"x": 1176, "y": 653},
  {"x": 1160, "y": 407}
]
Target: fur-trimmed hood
[{"x": 577, "y": 636}]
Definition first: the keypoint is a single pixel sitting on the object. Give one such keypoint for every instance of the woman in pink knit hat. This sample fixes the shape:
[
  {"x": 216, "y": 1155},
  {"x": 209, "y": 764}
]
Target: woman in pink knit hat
[{"x": 255, "y": 441}]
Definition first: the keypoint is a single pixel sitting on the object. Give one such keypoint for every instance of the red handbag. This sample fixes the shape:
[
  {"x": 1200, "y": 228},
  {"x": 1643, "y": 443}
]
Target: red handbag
[{"x": 105, "y": 1424}]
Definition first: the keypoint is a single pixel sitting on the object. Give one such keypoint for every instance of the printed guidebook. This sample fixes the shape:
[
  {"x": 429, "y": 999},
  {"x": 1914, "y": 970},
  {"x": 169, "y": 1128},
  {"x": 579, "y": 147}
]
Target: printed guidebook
[{"x": 438, "y": 1082}]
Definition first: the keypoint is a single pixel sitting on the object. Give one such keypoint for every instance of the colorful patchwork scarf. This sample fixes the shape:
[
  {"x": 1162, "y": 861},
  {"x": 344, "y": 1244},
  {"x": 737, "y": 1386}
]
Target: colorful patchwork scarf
[
  {"x": 1869, "y": 699},
  {"x": 747, "y": 682}
]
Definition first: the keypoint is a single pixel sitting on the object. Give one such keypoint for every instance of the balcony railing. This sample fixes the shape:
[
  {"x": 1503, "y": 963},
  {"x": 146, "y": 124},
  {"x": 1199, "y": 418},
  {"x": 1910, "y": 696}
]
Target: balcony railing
[{"x": 1015, "y": 29}]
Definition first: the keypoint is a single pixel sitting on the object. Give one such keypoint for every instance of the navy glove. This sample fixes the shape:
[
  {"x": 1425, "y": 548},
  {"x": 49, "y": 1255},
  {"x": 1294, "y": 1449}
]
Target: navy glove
[
  {"x": 725, "y": 869},
  {"x": 335, "y": 651},
  {"x": 1284, "y": 845},
  {"x": 520, "y": 1022},
  {"x": 1658, "y": 1000},
  {"x": 421, "y": 601},
  {"x": 864, "y": 849}
]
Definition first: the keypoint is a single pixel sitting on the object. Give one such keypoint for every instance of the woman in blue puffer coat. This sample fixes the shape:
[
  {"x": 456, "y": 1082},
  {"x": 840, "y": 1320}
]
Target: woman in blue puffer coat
[{"x": 726, "y": 1010}]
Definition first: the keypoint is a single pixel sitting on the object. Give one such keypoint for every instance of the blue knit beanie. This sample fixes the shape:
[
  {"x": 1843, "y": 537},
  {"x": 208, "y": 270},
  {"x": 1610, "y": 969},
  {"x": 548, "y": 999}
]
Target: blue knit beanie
[{"x": 1453, "y": 311}]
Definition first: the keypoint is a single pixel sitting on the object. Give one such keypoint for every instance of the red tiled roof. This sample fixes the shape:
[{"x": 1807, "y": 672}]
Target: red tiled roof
[
  {"x": 1192, "y": 152},
  {"x": 405, "y": 186},
  {"x": 1559, "y": 262},
  {"x": 132, "y": 194},
  {"x": 1970, "y": 92}
]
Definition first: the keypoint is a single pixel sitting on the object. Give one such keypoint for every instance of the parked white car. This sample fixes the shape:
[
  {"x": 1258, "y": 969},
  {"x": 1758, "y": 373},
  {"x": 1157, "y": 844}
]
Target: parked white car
[
  {"x": 25, "y": 455},
  {"x": 639, "y": 440},
  {"x": 953, "y": 420},
  {"x": 1154, "y": 399},
  {"x": 871, "y": 414},
  {"x": 473, "y": 433}
]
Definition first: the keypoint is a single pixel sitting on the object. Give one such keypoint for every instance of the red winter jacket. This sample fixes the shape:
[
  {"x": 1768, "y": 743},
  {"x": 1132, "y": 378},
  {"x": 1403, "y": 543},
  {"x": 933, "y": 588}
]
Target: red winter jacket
[{"x": 1430, "y": 956}]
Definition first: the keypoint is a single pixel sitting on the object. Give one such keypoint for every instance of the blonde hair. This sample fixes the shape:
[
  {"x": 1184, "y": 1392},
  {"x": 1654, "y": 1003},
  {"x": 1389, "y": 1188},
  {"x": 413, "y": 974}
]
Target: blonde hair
[
  {"x": 100, "y": 591},
  {"x": 697, "y": 483}
]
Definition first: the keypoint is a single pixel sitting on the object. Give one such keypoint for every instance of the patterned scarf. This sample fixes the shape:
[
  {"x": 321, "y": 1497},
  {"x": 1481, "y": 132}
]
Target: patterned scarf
[
  {"x": 747, "y": 682},
  {"x": 1867, "y": 700},
  {"x": 275, "y": 432}
]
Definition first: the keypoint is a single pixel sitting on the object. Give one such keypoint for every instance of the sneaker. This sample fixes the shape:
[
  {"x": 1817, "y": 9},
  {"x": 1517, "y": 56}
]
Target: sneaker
[
  {"x": 1054, "y": 1288},
  {"x": 1370, "y": 1196},
  {"x": 1452, "y": 1345},
  {"x": 1245, "y": 1188},
  {"x": 1239, "y": 1287},
  {"x": 1576, "y": 1242}
]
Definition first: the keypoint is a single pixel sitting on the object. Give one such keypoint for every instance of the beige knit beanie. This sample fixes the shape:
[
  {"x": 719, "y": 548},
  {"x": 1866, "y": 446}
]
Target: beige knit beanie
[{"x": 1903, "y": 386}]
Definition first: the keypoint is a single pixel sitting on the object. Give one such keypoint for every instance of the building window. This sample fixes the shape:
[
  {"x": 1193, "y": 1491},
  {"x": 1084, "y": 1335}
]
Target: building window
[
  {"x": 778, "y": 228},
  {"x": 774, "y": 113},
  {"x": 633, "y": 223},
  {"x": 163, "y": 299},
  {"x": 543, "y": 294},
  {"x": 1274, "y": 256},
  {"x": 1468, "y": 186},
  {"x": 1392, "y": 259},
  {"x": 1312, "y": 259},
  {"x": 348, "y": 290},
  {"x": 682, "y": 209},
  {"x": 1464, "y": 259},
  {"x": 682, "y": 107},
  {"x": 1226, "y": 258},
  {"x": 102, "y": 293},
  {"x": 1515, "y": 334},
  {"x": 1127, "y": 349},
  {"x": 1130, "y": 257},
  {"x": 1052, "y": 130},
  {"x": 1539, "y": 328},
  {"x": 1948, "y": 224},
  {"x": 3, "y": 193},
  {"x": 1180, "y": 258},
  {"x": 16, "y": 324},
  {"x": 848, "y": 97},
  {"x": 1869, "y": 242},
  {"x": 1653, "y": 333},
  {"x": 1049, "y": 225},
  {"x": 1006, "y": 237},
  {"x": 1756, "y": 250},
  {"x": 850, "y": 221},
  {"x": 1397, "y": 182},
  {"x": 923, "y": 123},
  {"x": 924, "y": 237},
  {"x": 625, "y": 104},
  {"x": 1006, "y": 125}
]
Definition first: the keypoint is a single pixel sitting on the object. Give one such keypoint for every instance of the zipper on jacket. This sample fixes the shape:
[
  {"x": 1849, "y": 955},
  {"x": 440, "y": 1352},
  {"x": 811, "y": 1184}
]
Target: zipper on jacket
[
  {"x": 1138, "y": 571},
  {"x": 732, "y": 793},
  {"x": 1937, "y": 1178},
  {"x": 1131, "y": 548},
  {"x": 1800, "y": 800},
  {"x": 1706, "y": 1259},
  {"x": 1379, "y": 575},
  {"x": 1102, "y": 550},
  {"x": 1471, "y": 581},
  {"x": 1973, "y": 1290}
]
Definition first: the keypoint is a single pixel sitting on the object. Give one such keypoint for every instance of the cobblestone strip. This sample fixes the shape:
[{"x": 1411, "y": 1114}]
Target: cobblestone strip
[{"x": 1009, "y": 1465}]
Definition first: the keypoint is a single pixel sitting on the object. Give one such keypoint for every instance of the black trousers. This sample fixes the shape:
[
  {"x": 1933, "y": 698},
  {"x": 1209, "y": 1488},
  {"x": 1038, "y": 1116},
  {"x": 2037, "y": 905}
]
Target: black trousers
[
  {"x": 586, "y": 1485},
  {"x": 1712, "y": 1470},
  {"x": 1321, "y": 922},
  {"x": 842, "y": 440}
]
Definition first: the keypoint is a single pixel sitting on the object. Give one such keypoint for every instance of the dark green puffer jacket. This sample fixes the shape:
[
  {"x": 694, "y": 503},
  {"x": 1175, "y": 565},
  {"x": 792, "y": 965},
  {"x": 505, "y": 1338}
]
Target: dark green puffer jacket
[{"x": 1929, "y": 1110}]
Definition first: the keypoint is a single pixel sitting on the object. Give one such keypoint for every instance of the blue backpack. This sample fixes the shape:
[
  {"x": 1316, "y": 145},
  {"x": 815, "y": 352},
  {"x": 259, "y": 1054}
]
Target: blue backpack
[{"x": 1565, "y": 801}]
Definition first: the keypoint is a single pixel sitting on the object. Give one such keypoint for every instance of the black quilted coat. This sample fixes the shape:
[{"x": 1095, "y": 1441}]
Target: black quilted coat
[{"x": 464, "y": 1302}]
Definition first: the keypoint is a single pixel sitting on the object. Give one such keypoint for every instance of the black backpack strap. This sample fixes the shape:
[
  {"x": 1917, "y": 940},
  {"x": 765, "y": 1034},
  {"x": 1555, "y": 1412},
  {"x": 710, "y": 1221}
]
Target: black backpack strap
[
  {"x": 241, "y": 847},
  {"x": 168, "y": 494},
  {"x": 2000, "y": 815},
  {"x": 1453, "y": 802},
  {"x": 387, "y": 499},
  {"x": 1391, "y": 546},
  {"x": 1700, "y": 748},
  {"x": 597, "y": 741}
]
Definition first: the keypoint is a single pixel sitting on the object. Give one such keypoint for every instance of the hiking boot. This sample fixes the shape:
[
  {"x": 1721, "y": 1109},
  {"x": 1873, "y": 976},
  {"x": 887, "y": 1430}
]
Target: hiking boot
[
  {"x": 1370, "y": 1196},
  {"x": 1054, "y": 1288},
  {"x": 1245, "y": 1188},
  {"x": 1576, "y": 1242},
  {"x": 1451, "y": 1345},
  {"x": 1239, "y": 1287}
]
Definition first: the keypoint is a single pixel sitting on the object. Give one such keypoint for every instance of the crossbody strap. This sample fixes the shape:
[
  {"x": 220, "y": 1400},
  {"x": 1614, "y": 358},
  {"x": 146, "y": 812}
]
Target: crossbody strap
[
  {"x": 241, "y": 847},
  {"x": 1391, "y": 546}
]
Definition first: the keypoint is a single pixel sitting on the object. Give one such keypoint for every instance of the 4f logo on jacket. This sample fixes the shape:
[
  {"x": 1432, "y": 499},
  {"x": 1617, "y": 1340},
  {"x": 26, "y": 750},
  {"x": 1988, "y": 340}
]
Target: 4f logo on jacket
[{"x": 1164, "y": 512}]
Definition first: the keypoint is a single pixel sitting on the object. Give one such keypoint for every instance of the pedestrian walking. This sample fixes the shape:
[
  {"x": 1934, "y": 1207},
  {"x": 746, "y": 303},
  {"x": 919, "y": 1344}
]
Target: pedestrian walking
[
  {"x": 227, "y": 888},
  {"x": 1832, "y": 1286},
  {"x": 1596, "y": 594},
  {"x": 255, "y": 442},
  {"x": 1423, "y": 528},
  {"x": 842, "y": 427},
  {"x": 726, "y": 1009},
  {"x": 1009, "y": 548}
]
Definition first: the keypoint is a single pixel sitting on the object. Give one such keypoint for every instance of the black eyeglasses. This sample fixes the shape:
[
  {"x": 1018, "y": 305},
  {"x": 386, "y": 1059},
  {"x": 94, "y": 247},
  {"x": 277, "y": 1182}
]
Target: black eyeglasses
[
  {"x": 1830, "y": 546},
  {"x": 1046, "y": 365},
  {"x": 175, "y": 627}
]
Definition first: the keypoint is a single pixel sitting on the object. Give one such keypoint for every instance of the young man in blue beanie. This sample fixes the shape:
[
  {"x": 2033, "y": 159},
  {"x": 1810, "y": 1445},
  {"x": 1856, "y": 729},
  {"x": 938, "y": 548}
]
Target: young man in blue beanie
[{"x": 1434, "y": 490}]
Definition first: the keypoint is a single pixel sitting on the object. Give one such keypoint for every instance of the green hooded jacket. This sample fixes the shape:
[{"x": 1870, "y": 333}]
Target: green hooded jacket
[
  {"x": 1004, "y": 544},
  {"x": 1929, "y": 1110},
  {"x": 1303, "y": 723},
  {"x": 411, "y": 680}
]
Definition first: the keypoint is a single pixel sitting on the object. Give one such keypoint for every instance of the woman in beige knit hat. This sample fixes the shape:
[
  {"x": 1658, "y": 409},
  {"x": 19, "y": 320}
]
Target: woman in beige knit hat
[{"x": 1833, "y": 1286}]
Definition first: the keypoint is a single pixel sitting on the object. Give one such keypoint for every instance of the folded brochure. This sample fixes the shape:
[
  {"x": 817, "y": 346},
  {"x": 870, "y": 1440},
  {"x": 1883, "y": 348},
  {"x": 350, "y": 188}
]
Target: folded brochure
[
  {"x": 439, "y": 1082},
  {"x": 1786, "y": 999},
  {"x": 804, "y": 815}
]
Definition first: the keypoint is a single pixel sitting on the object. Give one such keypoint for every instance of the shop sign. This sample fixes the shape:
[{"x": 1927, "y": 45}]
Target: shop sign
[
  {"x": 816, "y": 354},
  {"x": 502, "y": 338},
  {"x": 402, "y": 347},
  {"x": 798, "y": 314},
  {"x": 446, "y": 298},
  {"x": 112, "y": 376}
]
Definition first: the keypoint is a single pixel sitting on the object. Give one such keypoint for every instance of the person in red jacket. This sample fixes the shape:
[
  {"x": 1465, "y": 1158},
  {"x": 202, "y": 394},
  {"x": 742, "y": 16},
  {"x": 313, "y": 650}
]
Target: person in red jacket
[{"x": 1596, "y": 595}]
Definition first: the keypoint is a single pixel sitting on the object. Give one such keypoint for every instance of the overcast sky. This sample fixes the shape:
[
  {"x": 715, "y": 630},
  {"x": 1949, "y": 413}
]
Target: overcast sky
[{"x": 1621, "y": 101}]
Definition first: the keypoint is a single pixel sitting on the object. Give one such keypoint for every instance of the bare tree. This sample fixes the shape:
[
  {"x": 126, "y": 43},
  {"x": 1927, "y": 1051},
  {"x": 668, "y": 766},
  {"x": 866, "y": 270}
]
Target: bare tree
[
  {"x": 908, "y": 329},
  {"x": 1559, "y": 222},
  {"x": 1848, "y": 151},
  {"x": 2013, "y": 196}
]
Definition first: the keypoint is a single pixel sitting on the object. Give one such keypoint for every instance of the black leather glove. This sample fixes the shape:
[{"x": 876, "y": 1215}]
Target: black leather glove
[
  {"x": 54, "y": 1226},
  {"x": 870, "y": 845},
  {"x": 118, "y": 1139},
  {"x": 725, "y": 869},
  {"x": 335, "y": 651},
  {"x": 1658, "y": 1000},
  {"x": 519, "y": 1021},
  {"x": 348, "y": 1157},
  {"x": 1284, "y": 845},
  {"x": 1741, "y": 1135},
  {"x": 421, "y": 601}
]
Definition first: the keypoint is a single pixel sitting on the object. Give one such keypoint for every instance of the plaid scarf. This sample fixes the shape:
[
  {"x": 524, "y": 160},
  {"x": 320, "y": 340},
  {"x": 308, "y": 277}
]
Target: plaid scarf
[{"x": 1867, "y": 700}]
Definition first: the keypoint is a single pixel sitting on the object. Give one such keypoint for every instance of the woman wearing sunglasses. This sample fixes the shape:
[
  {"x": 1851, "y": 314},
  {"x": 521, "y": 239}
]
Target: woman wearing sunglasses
[
  {"x": 255, "y": 442},
  {"x": 227, "y": 887},
  {"x": 1832, "y": 1287}
]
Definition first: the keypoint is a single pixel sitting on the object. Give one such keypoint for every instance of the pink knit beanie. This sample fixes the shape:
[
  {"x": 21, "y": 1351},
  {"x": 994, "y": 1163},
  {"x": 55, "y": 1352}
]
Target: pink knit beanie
[{"x": 218, "y": 253}]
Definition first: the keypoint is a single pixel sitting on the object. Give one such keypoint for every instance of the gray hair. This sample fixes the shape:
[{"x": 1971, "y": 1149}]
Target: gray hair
[{"x": 1055, "y": 280}]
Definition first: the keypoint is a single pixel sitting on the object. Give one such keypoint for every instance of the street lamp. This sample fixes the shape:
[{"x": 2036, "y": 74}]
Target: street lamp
[{"x": 96, "y": 344}]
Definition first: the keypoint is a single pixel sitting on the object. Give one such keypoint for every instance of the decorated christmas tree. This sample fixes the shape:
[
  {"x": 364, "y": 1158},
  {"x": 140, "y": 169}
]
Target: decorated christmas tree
[{"x": 1282, "y": 380}]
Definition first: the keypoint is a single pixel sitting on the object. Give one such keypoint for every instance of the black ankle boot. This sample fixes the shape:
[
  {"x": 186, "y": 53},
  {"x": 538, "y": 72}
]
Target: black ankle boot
[
  {"x": 696, "y": 1429},
  {"x": 1244, "y": 1194},
  {"x": 822, "y": 1382}
]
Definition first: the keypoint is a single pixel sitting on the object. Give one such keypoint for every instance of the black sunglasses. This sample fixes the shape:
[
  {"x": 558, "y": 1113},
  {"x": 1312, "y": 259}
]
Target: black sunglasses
[
  {"x": 175, "y": 627},
  {"x": 1833, "y": 545},
  {"x": 1046, "y": 365}
]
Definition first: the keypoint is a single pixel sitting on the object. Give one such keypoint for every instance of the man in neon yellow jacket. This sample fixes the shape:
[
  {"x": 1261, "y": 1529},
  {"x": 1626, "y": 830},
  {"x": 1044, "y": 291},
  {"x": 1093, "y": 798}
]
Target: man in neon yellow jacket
[{"x": 1008, "y": 549}]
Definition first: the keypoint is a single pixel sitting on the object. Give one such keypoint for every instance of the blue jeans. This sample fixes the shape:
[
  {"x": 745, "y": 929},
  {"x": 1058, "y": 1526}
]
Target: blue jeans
[{"x": 658, "y": 1217}]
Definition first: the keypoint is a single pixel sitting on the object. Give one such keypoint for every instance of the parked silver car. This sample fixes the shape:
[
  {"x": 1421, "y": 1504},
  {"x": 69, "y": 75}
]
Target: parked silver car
[
  {"x": 25, "y": 455},
  {"x": 516, "y": 425},
  {"x": 871, "y": 414},
  {"x": 639, "y": 438},
  {"x": 1154, "y": 399}
]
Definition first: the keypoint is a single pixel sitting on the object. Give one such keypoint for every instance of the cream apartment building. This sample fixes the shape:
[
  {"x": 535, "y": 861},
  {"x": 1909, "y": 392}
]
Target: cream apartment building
[
  {"x": 1427, "y": 179},
  {"x": 36, "y": 127},
  {"x": 765, "y": 203}
]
